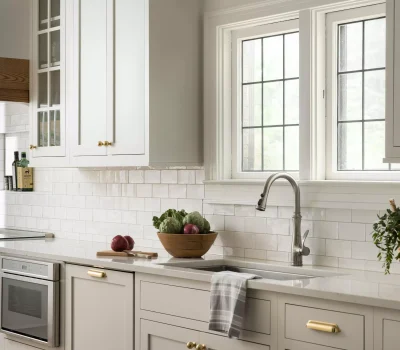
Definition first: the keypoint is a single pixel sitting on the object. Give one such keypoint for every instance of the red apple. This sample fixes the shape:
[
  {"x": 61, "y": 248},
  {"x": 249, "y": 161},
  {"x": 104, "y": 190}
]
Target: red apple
[
  {"x": 130, "y": 241},
  {"x": 191, "y": 229},
  {"x": 119, "y": 244}
]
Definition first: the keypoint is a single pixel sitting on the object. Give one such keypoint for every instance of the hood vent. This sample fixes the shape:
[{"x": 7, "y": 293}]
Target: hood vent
[{"x": 14, "y": 80}]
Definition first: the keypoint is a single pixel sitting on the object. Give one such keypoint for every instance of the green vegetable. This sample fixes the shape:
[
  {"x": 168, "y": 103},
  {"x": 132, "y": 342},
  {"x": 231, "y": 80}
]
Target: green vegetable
[
  {"x": 386, "y": 236},
  {"x": 194, "y": 218},
  {"x": 171, "y": 225},
  {"x": 207, "y": 227},
  {"x": 170, "y": 213}
]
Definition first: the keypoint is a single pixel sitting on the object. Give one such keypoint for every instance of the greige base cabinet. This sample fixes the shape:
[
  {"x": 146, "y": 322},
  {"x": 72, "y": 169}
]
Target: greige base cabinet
[
  {"x": 13, "y": 345},
  {"x": 387, "y": 329},
  {"x": 99, "y": 309}
]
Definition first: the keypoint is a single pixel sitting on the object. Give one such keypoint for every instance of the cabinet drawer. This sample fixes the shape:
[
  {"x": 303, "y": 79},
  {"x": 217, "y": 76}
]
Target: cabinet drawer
[
  {"x": 351, "y": 335},
  {"x": 13, "y": 345},
  {"x": 195, "y": 304}
]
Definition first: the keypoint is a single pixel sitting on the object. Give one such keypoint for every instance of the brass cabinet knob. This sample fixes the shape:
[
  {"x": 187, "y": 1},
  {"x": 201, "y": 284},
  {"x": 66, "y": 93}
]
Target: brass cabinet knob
[
  {"x": 191, "y": 345},
  {"x": 32, "y": 147},
  {"x": 100, "y": 143},
  {"x": 201, "y": 347},
  {"x": 107, "y": 143}
]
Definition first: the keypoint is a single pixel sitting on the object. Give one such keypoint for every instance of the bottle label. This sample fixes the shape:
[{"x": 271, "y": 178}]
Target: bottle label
[{"x": 25, "y": 179}]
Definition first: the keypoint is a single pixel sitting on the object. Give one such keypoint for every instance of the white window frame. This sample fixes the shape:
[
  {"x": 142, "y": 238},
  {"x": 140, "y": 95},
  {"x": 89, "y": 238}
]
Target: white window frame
[
  {"x": 218, "y": 125},
  {"x": 333, "y": 20},
  {"x": 238, "y": 37}
]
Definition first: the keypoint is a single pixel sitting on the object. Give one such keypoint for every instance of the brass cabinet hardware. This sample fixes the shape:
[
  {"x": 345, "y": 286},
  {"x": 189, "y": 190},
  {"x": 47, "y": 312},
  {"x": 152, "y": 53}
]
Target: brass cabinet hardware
[
  {"x": 191, "y": 345},
  {"x": 323, "y": 326},
  {"x": 201, "y": 347},
  {"x": 100, "y": 143},
  {"x": 32, "y": 147},
  {"x": 107, "y": 143},
  {"x": 97, "y": 274}
]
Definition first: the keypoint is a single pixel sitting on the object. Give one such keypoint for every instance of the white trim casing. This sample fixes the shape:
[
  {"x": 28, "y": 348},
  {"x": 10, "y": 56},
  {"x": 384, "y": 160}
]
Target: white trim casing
[
  {"x": 237, "y": 37},
  {"x": 332, "y": 22},
  {"x": 217, "y": 84}
]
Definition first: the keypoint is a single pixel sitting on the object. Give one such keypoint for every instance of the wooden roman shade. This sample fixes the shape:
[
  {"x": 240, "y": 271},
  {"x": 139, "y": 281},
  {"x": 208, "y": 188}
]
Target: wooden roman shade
[{"x": 14, "y": 80}]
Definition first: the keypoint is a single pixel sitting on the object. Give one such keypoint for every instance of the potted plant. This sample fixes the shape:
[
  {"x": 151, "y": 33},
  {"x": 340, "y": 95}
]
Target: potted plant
[
  {"x": 386, "y": 236},
  {"x": 184, "y": 235}
]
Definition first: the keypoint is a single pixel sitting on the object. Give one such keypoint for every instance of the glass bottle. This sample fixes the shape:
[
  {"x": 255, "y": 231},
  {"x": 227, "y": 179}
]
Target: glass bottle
[
  {"x": 14, "y": 171},
  {"x": 23, "y": 163}
]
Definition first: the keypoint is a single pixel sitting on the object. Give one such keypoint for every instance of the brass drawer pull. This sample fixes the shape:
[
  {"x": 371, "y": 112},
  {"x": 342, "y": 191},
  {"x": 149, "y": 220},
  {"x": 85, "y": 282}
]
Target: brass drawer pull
[
  {"x": 323, "y": 326},
  {"x": 201, "y": 347},
  {"x": 106, "y": 143},
  {"x": 97, "y": 274},
  {"x": 100, "y": 143},
  {"x": 191, "y": 345},
  {"x": 31, "y": 147}
]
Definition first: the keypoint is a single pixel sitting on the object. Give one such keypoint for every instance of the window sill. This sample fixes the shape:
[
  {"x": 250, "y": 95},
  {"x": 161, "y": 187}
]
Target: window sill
[{"x": 364, "y": 195}]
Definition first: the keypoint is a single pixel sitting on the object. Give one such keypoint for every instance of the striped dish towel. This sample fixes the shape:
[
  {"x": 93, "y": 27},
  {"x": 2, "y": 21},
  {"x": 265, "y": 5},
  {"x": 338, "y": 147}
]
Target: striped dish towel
[{"x": 228, "y": 301}]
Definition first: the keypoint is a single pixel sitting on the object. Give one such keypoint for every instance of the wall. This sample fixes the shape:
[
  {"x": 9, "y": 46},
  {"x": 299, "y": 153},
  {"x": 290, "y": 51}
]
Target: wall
[
  {"x": 176, "y": 80},
  {"x": 215, "y": 5},
  {"x": 15, "y": 28},
  {"x": 94, "y": 205}
]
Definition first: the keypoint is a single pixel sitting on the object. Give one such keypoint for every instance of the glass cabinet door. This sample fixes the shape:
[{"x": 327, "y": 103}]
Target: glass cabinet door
[{"x": 49, "y": 111}]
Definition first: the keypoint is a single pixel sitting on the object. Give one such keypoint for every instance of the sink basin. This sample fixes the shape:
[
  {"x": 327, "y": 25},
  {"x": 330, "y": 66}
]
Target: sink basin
[{"x": 272, "y": 275}]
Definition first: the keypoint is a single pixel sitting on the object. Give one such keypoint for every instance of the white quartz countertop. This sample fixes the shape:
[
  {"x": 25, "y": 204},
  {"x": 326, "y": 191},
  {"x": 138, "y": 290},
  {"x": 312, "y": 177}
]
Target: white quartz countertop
[{"x": 354, "y": 286}]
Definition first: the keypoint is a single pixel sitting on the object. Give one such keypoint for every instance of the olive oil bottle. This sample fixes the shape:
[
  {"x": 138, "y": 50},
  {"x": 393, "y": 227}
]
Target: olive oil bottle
[
  {"x": 14, "y": 171},
  {"x": 24, "y": 175}
]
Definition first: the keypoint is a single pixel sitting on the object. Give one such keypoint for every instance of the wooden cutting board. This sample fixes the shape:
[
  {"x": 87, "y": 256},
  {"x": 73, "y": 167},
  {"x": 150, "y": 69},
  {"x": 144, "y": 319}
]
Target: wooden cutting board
[{"x": 108, "y": 253}]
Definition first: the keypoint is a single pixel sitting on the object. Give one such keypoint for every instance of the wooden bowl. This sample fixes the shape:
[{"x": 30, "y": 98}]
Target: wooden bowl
[{"x": 187, "y": 246}]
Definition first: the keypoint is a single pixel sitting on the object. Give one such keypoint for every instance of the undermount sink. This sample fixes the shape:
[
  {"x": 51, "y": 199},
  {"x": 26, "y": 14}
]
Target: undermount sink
[
  {"x": 265, "y": 271},
  {"x": 271, "y": 275}
]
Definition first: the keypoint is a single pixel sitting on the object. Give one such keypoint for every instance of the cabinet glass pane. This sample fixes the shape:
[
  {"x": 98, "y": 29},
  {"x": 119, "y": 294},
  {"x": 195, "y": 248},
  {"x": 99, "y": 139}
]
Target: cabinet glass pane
[
  {"x": 43, "y": 60},
  {"x": 55, "y": 139},
  {"x": 42, "y": 85},
  {"x": 43, "y": 14},
  {"x": 43, "y": 129},
  {"x": 55, "y": 13},
  {"x": 55, "y": 88},
  {"x": 55, "y": 48}
]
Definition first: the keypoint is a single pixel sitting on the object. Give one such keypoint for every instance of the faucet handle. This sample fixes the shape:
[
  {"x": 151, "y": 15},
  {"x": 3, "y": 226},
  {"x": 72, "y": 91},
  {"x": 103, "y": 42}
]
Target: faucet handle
[{"x": 305, "y": 251}]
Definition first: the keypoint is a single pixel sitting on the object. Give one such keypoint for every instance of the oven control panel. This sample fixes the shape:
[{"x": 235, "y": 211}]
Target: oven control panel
[{"x": 29, "y": 268}]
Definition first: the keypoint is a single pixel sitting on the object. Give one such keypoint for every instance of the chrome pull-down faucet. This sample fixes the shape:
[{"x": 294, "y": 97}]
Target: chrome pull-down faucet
[{"x": 298, "y": 248}]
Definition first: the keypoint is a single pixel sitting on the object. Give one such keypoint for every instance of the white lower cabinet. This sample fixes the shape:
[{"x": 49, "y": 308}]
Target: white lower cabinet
[{"x": 99, "y": 309}]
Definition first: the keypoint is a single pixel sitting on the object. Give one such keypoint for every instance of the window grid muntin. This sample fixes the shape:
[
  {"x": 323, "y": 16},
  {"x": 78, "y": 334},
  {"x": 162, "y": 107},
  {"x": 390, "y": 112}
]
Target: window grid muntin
[
  {"x": 363, "y": 120},
  {"x": 262, "y": 82}
]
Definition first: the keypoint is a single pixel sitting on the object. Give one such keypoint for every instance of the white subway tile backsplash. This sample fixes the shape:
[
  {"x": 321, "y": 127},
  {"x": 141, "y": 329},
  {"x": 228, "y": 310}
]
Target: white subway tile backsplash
[
  {"x": 255, "y": 225},
  {"x": 323, "y": 229},
  {"x": 177, "y": 191},
  {"x": 136, "y": 176},
  {"x": 169, "y": 176},
  {"x": 234, "y": 223},
  {"x": 338, "y": 248},
  {"x": 352, "y": 231},
  {"x": 277, "y": 226},
  {"x": 95, "y": 205},
  {"x": 144, "y": 191},
  {"x": 339, "y": 215},
  {"x": 152, "y": 176},
  {"x": 364, "y": 216},
  {"x": 187, "y": 177}
]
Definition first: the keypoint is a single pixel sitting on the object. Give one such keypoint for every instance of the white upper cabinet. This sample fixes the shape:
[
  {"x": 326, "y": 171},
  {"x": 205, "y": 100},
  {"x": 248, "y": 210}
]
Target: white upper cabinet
[
  {"x": 110, "y": 73},
  {"x": 392, "y": 153},
  {"x": 48, "y": 115},
  {"x": 127, "y": 95}
]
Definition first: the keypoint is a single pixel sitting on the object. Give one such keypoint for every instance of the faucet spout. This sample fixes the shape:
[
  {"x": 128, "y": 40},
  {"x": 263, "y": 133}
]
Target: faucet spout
[{"x": 298, "y": 248}]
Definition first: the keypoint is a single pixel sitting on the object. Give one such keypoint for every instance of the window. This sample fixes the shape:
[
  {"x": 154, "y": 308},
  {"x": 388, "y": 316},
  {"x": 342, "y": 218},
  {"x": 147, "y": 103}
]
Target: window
[
  {"x": 356, "y": 93},
  {"x": 332, "y": 127},
  {"x": 267, "y": 103}
]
